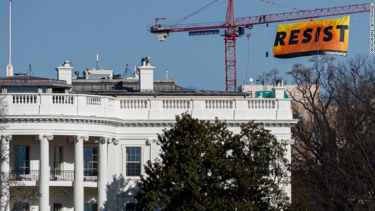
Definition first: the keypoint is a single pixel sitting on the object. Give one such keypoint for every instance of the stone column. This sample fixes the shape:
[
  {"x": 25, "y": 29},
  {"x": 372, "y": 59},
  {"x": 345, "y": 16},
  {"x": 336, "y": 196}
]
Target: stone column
[
  {"x": 4, "y": 177},
  {"x": 78, "y": 173},
  {"x": 102, "y": 184},
  {"x": 44, "y": 172}
]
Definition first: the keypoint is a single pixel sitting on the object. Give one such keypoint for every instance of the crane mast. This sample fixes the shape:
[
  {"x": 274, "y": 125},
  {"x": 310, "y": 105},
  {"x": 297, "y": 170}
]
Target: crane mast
[
  {"x": 234, "y": 27},
  {"x": 230, "y": 37}
]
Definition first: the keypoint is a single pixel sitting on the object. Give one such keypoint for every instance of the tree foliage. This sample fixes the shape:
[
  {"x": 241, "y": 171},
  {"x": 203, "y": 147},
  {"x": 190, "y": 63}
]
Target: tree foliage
[
  {"x": 120, "y": 192},
  {"x": 204, "y": 166},
  {"x": 334, "y": 159}
]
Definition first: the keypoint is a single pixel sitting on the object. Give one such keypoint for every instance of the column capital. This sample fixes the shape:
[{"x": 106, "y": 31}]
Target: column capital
[
  {"x": 49, "y": 137},
  {"x": 148, "y": 142},
  {"x": 81, "y": 138},
  {"x": 104, "y": 140},
  {"x": 115, "y": 141},
  {"x": 107, "y": 140},
  {"x": 6, "y": 138}
]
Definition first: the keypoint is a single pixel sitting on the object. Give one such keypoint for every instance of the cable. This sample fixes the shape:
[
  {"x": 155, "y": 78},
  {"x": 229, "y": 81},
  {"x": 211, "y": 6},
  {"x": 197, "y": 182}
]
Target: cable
[
  {"x": 247, "y": 72},
  {"x": 206, "y": 6},
  {"x": 268, "y": 2},
  {"x": 278, "y": 4}
]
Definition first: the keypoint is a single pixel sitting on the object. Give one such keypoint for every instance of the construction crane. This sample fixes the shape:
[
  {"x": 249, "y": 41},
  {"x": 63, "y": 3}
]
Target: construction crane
[{"x": 235, "y": 27}]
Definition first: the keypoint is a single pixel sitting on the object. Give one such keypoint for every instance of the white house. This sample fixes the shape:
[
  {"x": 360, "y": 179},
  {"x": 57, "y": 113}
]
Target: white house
[{"x": 62, "y": 141}]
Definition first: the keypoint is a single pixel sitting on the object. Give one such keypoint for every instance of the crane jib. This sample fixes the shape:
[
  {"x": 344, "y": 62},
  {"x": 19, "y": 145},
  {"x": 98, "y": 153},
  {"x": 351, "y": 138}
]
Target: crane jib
[{"x": 303, "y": 14}]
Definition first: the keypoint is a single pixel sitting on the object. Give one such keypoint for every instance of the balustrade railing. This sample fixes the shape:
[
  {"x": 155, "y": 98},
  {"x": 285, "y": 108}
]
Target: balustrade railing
[
  {"x": 134, "y": 104},
  {"x": 219, "y": 104},
  {"x": 176, "y": 104},
  {"x": 62, "y": 99},
  {"x": 90, "y": 105},
  {"x": 145, "y": 103},
  {"x": 262, "y": 104},
  {"x": 90, "y": 100},
  {"x": 24, "y": 99}
]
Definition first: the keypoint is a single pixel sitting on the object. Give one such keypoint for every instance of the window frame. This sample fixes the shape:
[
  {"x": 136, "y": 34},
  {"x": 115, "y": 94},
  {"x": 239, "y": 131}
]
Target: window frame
[
  {"x": 58, "y": 158},
  {"x": 91, "y": 166},
  {"x": 140, "y": 162},
  {"x": 24, "y": 167}
]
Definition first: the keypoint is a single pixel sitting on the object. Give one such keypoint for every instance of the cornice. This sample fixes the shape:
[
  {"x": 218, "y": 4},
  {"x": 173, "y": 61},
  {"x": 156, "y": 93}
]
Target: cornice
[{"x": 115, "y": 122}]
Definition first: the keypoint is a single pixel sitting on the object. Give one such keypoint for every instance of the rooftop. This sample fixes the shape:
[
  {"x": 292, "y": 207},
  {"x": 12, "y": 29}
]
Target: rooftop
[
  {"x": 124, "y": 86},
  {"x": 185, "y": 92},
  {"x": 25, "y": 80}
]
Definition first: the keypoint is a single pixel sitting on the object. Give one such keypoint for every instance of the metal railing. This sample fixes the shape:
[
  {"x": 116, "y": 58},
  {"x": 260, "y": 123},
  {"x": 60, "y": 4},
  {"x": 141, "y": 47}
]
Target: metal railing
[
  {"x": 61, "y": 175},
  {"x": 55, "y": 175},
  {"x": 90, "y": 175},
  {"x": 24, "y": 175}
]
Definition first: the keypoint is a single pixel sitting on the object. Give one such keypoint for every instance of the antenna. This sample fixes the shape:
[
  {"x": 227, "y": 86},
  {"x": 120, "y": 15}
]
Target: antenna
[
  {"x": 97, "y": 61},
  {"x": 30, "y": 70},
  {"x": 166, "y": 75},
  {"x": 126, "y": 72},
  {"x": 10, "y": 66}
]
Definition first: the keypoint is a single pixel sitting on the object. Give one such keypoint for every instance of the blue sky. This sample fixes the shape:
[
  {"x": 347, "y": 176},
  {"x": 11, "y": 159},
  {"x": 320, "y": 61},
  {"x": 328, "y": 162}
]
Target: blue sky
[{"x": 46, "y": 32}]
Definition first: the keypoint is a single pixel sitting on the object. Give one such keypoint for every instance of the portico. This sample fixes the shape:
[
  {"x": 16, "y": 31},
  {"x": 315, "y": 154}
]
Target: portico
[{"x": 39, "y": 162}]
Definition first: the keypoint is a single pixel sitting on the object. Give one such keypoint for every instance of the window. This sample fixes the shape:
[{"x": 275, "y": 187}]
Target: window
[
  {"x": 57, "y": 207},
  {"x": 91, "y": 206},
  {"x": 131, "y": 207},
  {"x": 91, "y": 161},
  {"x": 57, "y": 158},
  {"x": 133, "y": 161},
  {"x": 21, "y": 206},
  {"x": 22, "y": 159}
]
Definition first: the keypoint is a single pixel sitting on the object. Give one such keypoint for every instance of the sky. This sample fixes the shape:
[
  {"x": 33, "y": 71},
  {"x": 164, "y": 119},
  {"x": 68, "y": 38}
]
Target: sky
[{"x": 47, "y": 32}]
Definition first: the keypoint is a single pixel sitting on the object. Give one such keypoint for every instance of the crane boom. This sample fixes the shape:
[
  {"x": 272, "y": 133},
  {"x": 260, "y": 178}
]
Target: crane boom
[
  {"x": 303, "y": 14},
  {"x": 269, "y": 18},
  {"x": 232, "y": 26}
]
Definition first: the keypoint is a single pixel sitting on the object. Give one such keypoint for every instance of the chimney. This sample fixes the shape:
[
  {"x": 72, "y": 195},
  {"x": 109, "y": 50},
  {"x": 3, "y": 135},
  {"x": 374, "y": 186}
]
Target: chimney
[
  {"x": 64, "y": 72},
  {"x": 146, "y": 75},
  {"x": 279, "y": 90},
  {"x": 9, "y": 71}
]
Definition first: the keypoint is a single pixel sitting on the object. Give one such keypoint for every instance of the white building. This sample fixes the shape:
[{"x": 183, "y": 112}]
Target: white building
[{"x": 61, "y": 147}]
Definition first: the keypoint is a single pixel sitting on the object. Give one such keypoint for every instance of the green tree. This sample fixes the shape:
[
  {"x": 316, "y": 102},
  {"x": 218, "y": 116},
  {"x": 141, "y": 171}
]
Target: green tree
[{"x": 204, "y": 166}]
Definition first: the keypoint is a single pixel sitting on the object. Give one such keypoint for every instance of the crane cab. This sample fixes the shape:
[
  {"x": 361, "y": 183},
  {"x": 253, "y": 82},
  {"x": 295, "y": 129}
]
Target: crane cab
[
  {"x": 162, "y": 36},
  {"x": 157, "y": 29}
]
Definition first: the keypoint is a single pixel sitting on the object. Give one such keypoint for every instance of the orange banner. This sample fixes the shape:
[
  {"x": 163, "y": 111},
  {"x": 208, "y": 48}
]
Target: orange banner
[{"x": 312, "y": 37}]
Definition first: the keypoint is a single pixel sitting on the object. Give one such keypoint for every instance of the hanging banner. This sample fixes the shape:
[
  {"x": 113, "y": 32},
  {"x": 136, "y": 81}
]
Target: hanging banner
[{"x": 312, "y": 38}]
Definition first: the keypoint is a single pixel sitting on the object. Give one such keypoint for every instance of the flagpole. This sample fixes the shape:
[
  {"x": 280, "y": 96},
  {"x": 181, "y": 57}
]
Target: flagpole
[{"x": 10, "y": 66}]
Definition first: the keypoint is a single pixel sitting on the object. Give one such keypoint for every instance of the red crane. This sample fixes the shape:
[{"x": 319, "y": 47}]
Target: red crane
[{"x": 234, "y": 27}]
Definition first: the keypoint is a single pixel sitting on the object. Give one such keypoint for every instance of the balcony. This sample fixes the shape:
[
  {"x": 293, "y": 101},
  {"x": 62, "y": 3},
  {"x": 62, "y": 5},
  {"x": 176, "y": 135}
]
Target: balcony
[
  {"x": 61, "y": 175},
  {"x": 55, "y": 175},
  {"x": 24, "y": 175}
]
